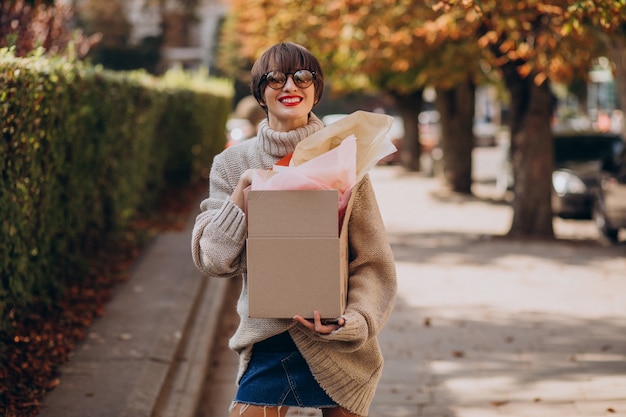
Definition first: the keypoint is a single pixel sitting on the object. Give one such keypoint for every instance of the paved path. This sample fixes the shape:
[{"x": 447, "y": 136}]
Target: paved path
[{"x": 484, "y": 326}]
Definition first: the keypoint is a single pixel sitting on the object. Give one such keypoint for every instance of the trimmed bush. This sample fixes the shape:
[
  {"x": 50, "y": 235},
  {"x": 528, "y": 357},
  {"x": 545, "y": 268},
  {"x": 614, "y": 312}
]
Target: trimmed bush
[{"x": 83, "y": 152}]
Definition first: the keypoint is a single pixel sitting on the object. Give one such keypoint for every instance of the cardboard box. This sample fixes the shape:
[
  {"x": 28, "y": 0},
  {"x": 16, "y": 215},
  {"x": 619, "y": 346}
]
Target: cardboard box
[{"x": 295, "y": 260}]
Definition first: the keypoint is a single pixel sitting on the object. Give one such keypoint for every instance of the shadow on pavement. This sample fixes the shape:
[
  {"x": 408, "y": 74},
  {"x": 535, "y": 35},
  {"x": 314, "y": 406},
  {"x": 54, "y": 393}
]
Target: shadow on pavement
[
  {"x": 469, "y": 360},
  {"x": 481, "y": 249}
]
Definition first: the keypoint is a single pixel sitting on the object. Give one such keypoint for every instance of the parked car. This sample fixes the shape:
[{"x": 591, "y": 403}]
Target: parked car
[
  {"x": 329, "y": 119},
  {"x": 609, "y": 209},
  {"x": 588, "y": 181},
  {"x": 485, "y": 132},
  {"x": 580, "y": 160},
  {"x": 238, "y": 130},
  {"x": 429, "y": 128}
]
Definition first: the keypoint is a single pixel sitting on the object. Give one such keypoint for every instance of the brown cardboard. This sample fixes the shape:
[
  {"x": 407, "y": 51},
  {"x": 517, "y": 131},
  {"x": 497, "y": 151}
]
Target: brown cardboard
[
  {"x": 295, "y": 262},
  {"x": 293, "y": 213}
]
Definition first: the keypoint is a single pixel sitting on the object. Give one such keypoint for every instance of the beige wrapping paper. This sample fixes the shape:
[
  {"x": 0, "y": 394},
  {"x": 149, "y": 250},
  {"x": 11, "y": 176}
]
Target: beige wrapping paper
[{"x": 370, "y": 130}]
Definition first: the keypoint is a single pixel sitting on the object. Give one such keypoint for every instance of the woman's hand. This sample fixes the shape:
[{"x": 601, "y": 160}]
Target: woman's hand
[
  {"x": 244, "y": 182},
  {"x": 318, "y": 326}
]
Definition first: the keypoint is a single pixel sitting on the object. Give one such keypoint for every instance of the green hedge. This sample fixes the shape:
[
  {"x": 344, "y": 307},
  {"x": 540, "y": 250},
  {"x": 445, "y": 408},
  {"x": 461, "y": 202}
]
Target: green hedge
[{"x": 83, "y": 152}]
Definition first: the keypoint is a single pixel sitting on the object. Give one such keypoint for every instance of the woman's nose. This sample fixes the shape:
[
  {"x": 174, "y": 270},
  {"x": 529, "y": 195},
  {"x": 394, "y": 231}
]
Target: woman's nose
[{"x": 289, "y": 84}]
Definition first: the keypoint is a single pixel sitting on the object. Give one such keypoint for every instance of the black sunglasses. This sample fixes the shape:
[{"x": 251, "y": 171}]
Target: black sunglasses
[{"x": 301, "y": 78}]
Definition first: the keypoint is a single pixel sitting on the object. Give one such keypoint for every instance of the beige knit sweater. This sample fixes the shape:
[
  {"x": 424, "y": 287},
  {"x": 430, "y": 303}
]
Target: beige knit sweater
[{"x": 347, "y": 363}]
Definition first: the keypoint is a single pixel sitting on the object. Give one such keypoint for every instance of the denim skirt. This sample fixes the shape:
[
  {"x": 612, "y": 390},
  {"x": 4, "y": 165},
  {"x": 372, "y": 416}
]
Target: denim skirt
[{"x": 278, "y": 375}]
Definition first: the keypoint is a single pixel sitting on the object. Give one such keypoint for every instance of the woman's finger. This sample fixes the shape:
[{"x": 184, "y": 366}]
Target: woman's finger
[
  {"x": 317, "y": 325},
  {"x": 306, "y": 323}
]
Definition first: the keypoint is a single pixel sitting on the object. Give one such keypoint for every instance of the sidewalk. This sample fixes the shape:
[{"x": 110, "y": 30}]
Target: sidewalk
[
  {"x": 148, "y": 354},
  {"x": 482, "y": 326}
]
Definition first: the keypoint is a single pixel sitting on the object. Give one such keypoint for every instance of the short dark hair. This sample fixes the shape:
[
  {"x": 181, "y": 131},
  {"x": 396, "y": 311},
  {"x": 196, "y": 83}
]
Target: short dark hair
[{"x": 285, "y": 57}]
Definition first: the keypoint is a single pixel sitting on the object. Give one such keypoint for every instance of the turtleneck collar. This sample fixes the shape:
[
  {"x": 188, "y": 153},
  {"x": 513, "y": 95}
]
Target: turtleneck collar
[{"x": 279, "y": 144}]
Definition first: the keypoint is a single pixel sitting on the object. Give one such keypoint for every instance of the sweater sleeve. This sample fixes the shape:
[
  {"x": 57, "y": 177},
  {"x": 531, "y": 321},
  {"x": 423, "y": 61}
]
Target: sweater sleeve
[
  {"x": 219, "y": 233},
  {"x": 372, "y": 281}
]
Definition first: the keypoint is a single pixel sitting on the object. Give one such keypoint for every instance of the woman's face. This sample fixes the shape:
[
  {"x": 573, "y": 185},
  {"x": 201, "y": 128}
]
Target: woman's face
[{"x": 288, "y": 108}]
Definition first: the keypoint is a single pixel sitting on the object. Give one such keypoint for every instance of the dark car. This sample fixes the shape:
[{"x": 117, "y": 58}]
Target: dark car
[
  {"x": 238, "y": 130},
  {"x": 609, "y": 209},
  {"x": 587, "y": 181},
  {"x": 580, "y": 160}
]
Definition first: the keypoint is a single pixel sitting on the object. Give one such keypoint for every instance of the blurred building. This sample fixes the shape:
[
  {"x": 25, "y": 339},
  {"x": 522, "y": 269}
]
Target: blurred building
[
  {"x": 595, "y": 107},
  {"x": 602, "y": 102},
  {"x": 187, "y": 37}
]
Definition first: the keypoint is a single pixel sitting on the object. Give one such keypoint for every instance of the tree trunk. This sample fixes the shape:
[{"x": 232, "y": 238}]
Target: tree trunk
[
  {"x": 456, "y": 109},
  {"x": 409, "y": 106},
  {"x": 532, "y": 152}
]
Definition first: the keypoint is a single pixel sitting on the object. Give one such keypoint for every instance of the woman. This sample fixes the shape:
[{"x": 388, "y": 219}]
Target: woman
[{"x": 332, "y": 366}]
